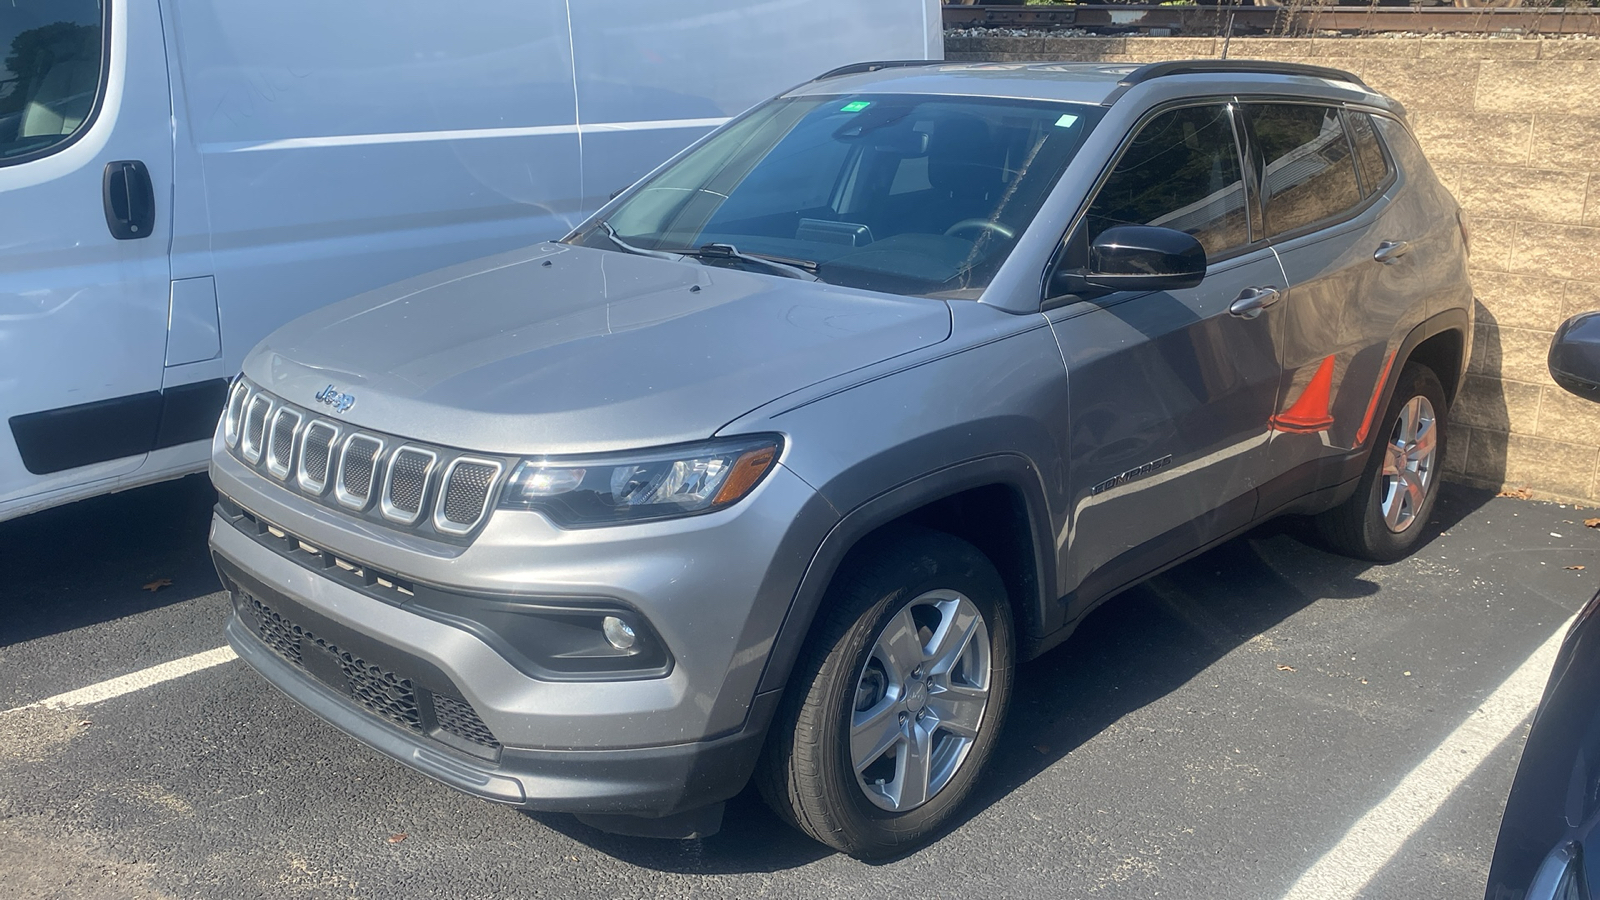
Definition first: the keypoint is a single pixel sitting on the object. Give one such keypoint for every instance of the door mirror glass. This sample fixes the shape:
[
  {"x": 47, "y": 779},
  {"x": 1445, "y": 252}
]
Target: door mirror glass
[
  {"x": 1575, "y": 355},
  {"x": 1144, "y": 258}
]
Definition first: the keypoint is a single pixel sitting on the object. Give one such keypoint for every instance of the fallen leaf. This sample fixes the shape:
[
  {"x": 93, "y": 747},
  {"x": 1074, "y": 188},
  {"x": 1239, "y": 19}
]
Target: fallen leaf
[
  {"x": 397, "y": 838},
  {"x": 158, "y": 584},
  {"x": 1575, "y": 568},
  {"x": 1041, "y": 748},
  {"x": 1284, "y": 668},
  {"x": 1592, "y": 523},
  {"x": 1520, "y": 493}
]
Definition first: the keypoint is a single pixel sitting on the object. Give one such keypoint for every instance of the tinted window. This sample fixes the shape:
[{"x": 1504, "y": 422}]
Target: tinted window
[
  {"x": 1180, "y": 171},
  {"x": 1369, "y": 153},
  {"x": 1310, "y": 173},
  {"x": 901, "y": 193},
  {"x": 49, "y": 73}
]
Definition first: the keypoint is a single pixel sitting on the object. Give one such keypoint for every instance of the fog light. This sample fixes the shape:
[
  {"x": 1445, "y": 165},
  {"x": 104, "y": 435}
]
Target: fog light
[{"x": 619, "y": 633}]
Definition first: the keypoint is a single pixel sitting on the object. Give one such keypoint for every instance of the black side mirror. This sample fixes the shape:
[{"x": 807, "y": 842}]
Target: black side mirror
[
  {"x": 1575, "y": 355},
  {"x": 1145, "y": 258}
]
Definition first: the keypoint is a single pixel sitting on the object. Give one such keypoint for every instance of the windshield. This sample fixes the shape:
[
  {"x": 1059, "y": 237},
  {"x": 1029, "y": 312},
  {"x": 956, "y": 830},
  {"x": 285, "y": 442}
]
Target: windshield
[{"x": 898, "y": 193}]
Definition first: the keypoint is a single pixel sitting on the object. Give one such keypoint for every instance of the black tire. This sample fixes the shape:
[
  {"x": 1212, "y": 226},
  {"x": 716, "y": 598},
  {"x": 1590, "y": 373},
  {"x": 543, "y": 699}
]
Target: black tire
[
  {"x": 1358, "y": 527},
  {"x": 806, "y": 773}
]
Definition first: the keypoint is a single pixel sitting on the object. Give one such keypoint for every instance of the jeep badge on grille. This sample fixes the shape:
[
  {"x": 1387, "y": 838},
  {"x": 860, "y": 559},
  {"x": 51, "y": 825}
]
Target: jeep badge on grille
[{"x": 339, "y": 401}]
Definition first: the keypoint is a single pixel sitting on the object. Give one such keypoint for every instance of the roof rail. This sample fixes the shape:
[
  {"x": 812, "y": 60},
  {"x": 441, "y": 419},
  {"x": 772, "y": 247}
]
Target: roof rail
[
  {"x": 861, "y": 67},
  {"x": 1234, "y": 66}
]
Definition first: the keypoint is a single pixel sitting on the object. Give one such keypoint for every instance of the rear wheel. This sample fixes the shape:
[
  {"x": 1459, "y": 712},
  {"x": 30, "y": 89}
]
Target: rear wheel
[
  {"x": 1385, "y": 518},
  {"x": 896, "y": 702}
]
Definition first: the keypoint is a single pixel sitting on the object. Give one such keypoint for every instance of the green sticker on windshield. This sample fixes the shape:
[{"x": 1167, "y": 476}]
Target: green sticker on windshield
[
  {"x": 855, "y": 106},
  {"x": 1066, "y": 121}
]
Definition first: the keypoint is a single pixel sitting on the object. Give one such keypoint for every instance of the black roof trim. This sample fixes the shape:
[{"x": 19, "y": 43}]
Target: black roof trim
[
  {"x": 862, "y": 67},
  {"x": 1235, "y": 67}
]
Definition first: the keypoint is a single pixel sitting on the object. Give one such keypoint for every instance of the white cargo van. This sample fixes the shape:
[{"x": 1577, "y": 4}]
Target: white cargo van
[{"x": 178, "y": 178}]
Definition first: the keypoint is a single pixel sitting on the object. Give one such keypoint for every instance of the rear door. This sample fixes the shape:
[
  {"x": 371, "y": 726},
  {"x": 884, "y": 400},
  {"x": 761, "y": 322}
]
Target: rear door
[
  {"x": 85, "y": 175},
  {"x": 1170, "y": 391},
  {"x": 1325, "y": 211}
]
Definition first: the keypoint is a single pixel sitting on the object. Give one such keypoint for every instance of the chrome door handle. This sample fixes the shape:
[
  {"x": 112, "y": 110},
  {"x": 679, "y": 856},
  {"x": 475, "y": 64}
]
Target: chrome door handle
[
  {"x": 1252, "y": 301},
  {"x": 1390, "y": 251}
]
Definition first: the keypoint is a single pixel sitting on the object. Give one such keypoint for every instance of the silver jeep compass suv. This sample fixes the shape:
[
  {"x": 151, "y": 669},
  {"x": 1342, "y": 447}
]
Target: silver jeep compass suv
[{"x": 777, "y": 466}]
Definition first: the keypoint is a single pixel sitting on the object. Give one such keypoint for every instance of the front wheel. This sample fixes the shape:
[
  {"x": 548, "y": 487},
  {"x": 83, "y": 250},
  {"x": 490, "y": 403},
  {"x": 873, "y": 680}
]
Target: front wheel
[
  {"x": 897, "y": 700},
  {"x": 1385, "y": 518}
]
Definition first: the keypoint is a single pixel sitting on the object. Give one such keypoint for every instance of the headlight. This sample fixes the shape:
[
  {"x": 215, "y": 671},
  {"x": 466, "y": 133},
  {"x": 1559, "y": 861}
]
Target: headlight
[{"x": 653, "y": 484}]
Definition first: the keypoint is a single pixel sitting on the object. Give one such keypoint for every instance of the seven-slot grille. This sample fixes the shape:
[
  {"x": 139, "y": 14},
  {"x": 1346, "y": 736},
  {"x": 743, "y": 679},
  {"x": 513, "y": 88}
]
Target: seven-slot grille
[{"x": 372, "y": 475}]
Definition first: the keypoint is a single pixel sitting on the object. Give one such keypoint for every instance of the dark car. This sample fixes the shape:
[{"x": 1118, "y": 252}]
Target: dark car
[{"x": 1552, "y": 819}]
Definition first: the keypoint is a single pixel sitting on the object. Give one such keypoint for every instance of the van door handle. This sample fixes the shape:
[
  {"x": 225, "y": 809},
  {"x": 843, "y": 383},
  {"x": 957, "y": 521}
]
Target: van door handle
[
  {"x": 1389, "y": 252},
  {"x": 1252, "y": 301},
  {"x": 129, "y": 198}
]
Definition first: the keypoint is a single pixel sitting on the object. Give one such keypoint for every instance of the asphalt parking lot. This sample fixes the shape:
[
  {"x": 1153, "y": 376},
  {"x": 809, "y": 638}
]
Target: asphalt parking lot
[{"x": 1215, "y": 733}]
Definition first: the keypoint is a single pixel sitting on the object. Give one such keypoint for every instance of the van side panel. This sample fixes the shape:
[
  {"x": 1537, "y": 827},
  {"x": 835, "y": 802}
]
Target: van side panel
[
  {"x": 652, "y": 76},
  {"x": 83, "y": 313},
  {"x": 350, "y": 145}
]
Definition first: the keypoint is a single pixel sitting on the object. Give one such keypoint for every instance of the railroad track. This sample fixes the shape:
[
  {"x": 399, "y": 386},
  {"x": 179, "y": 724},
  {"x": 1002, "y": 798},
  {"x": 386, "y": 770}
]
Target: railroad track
[{"x": 1282, "y": 20}]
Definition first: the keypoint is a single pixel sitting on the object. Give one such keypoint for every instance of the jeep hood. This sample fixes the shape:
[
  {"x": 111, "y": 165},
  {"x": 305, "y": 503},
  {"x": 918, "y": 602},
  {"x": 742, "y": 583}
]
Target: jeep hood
[{"x": 562, "y": 349}]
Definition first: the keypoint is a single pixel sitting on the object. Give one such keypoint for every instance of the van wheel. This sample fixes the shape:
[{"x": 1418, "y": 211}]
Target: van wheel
[
  {"x": 1385, "y": 518},
  {"x": 897, "y": 699}
]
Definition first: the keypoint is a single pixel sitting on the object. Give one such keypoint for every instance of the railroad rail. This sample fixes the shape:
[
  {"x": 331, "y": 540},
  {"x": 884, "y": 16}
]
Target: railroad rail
[{"x": 1280, "y": 20}]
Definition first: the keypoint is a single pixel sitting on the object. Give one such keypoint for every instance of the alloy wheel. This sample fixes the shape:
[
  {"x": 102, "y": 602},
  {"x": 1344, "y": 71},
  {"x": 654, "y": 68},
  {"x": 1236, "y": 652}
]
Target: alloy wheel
[
  {"x": 1408, "y": 463},
  {"x": 920, "y": 700}
]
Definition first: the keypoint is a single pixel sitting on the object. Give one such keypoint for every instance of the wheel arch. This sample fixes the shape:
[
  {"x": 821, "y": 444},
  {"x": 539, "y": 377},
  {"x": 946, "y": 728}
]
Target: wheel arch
[
  {"x": 960, "y": 500},
  {"x": 1444, "y": 351}
]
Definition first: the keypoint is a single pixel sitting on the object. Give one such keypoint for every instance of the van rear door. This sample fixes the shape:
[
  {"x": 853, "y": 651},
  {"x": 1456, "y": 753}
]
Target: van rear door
[{"x": 85, "y": 180}]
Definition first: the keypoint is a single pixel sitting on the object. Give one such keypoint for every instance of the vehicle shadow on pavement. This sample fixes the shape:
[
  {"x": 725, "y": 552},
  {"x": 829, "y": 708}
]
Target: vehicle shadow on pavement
[
  {"x": 1157, "y": 637},
  {"x": 1135, "y": 649},
  {"x": 105, "y": 558}
]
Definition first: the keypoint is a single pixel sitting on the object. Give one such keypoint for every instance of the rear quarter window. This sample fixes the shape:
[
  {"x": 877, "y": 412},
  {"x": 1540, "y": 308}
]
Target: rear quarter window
[
  {"x": 1370, "y": 158},
  {"x": 1308, "y": 169}
]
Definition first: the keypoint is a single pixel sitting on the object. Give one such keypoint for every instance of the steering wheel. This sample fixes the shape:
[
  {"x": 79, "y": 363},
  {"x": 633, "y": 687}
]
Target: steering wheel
[{"x": 980, "y": 225}]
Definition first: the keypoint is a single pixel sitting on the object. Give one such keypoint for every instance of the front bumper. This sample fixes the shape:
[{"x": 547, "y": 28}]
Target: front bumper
[
  {"x": 653, "y": 781},
  {"x": 652, "y": 745},
  {"x": 405, "y": 722}
]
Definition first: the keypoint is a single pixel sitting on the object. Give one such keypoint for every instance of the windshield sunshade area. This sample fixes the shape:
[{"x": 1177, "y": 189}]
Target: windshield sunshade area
[{"x": 898, "y": 193}]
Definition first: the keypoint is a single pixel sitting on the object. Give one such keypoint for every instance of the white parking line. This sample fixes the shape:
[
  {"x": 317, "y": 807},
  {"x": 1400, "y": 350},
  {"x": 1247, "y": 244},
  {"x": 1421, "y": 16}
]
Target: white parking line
[
  {"x": 135, "y": 681},
  {"x": 1373, "y": 840}
]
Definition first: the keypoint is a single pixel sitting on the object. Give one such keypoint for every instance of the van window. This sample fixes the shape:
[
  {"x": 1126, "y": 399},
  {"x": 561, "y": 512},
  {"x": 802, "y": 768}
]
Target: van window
[
  {"x": 1309, "y": 171},
  {"x": 1181, "y": 171},
  {"x": 50, "y": 59}
]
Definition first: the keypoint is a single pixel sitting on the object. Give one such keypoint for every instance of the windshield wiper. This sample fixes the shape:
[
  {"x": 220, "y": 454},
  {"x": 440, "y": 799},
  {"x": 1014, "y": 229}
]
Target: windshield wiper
[
  {"x": 611, "y": 234},
  {"x": 793, "y": 269}
]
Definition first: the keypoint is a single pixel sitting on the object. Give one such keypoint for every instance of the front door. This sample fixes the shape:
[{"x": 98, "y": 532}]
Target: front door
[
  {"x": 85, "y": 180},
  {"x": 1171, "y": 392}
]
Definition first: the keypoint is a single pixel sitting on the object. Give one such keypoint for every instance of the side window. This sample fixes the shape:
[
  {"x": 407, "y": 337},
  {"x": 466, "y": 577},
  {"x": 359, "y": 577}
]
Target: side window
[
  {"x": 50, "y": 53},
  {"x": 1180, "y": 171},
  {"x": 1309, "y": 171},
  {"x": 1374, "y": 165}
]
